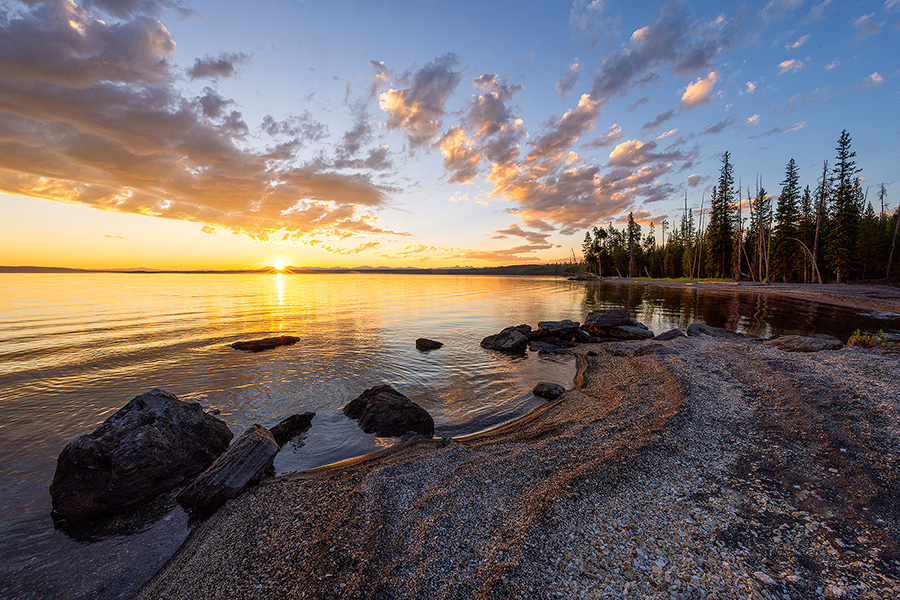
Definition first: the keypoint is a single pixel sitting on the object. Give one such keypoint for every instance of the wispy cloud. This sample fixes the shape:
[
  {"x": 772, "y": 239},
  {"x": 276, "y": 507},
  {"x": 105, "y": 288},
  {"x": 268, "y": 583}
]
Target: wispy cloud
[
  {"x": 213, "y": 67},
  {"x": 565, "y": 85},
  {"x": 790, "y": 66},
  {"x": 610, "y": 138},
  {"x": 775, "y": 130},
  {"x": 796, "y": 44},
  {"x": 872, "y": 80},
  {"x": 866, "y": 26}
]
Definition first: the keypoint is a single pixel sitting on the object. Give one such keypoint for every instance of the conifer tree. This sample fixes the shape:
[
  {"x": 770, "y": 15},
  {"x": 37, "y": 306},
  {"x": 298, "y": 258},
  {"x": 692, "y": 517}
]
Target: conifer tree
[
  {"x": 842, "y": 236},
  {"x": 787, "y": 217},
  {"x": 720, "y": 231}
]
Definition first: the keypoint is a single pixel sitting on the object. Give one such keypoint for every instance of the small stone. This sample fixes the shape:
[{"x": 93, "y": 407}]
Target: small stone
[{"x": 762, "y": 577}]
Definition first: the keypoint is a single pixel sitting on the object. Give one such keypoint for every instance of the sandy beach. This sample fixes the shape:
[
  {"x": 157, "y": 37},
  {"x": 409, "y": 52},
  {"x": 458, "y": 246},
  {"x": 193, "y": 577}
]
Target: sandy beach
[{"x": 695, "y": 468}]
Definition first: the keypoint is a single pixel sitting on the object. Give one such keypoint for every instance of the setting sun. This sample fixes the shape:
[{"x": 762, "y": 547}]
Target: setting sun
[{"x": 279, "y": 265}]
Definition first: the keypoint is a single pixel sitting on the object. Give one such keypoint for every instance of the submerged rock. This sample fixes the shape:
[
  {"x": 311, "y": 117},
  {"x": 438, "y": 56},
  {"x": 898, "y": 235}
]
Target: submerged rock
[
  {"x": 425, "y": 344},
  {"x": 245, "y": 462},
  {"x": 292, "y": 426},
  {"x": 550, "y": 391},
  {"x": 265, "y": 343},
  {"x": 800, "y": 343},
  {"x": 511, "y": 339},
  {"x": 615, "y": 324},
  {"x": 384, "y": 411},
  {"x": 151, "y": 445}
]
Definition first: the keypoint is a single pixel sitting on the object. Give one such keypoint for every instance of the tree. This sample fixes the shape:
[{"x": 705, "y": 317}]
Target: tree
[
  {"x": 787, "y": 217},
  {"x": 633, "y": 237},
  {"x": 822, "y": 194},
  {"x": 845, "y": 216},
  {"x": 720, "y": 231}
]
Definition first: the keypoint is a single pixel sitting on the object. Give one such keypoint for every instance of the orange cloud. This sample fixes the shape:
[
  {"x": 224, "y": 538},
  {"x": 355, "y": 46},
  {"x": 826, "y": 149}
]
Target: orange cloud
[{"x": 698, "y": 92}]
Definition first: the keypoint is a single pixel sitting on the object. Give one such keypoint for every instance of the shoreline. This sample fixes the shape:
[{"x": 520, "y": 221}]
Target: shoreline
[
  {"x": 870, "y": 297},
  {"x": 632, "y": 481}
]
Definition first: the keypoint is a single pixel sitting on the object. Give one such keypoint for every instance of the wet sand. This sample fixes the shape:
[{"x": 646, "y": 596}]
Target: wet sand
[{"x": 699, "y": 467}]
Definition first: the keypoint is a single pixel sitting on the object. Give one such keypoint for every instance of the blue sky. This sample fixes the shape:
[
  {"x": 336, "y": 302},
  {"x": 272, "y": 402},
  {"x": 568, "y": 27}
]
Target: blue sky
[{"x": 170, "y": 134}]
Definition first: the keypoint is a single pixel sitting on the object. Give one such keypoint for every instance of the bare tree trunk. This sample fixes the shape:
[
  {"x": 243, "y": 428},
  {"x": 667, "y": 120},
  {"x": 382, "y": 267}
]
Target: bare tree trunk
[
  {"x": 820, "y": 208},
  {"x": 893, "y": 244}
]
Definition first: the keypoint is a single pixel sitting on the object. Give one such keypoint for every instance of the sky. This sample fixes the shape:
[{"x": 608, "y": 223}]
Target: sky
[{"x": 194, "y": 134}]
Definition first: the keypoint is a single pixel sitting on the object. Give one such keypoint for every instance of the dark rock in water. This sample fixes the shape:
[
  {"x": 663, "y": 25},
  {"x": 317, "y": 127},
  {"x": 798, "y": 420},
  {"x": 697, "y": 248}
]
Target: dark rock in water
[
  {"x": 696, "y": 329},
  {"x": 670, "y": 335},
  {"x": 290, "y": 427},
  {"x": 151, "y": 445},
  {"x": 511, "y": 339},
  {"x": 384, "y": 411},
  {"x": 799, "y": 343},
  {"x": 550, "y": 391},
  {"x": 558, "y": 329},
  {"x": 426, "y": 344},
  {"x": 245, "y": 462},
  {"x": 615, "y": 324},
  {"x": 265, "y": 343}
]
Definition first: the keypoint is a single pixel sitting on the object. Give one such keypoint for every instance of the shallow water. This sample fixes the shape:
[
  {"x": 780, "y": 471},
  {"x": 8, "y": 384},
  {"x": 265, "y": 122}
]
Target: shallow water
[{"x": 76, "y": 347}]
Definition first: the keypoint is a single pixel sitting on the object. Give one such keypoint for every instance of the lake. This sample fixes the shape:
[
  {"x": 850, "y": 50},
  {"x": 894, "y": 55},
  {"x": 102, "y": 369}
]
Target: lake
[{"x": 76, "y": 347}]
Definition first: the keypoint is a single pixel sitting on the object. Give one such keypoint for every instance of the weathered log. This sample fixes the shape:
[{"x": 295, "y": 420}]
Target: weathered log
[
  {"x": 292, "y": 426},
  {"x": 244, "y": 463}
]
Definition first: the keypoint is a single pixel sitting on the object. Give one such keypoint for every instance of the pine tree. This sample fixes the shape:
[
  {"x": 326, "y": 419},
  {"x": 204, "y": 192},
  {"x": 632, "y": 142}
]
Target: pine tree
[
  {"x": 720, "y": 232},
  {"x": 845, "y": 211},
  {"x": 787, "y": 217},
  {"x": 633, "y": 237}
]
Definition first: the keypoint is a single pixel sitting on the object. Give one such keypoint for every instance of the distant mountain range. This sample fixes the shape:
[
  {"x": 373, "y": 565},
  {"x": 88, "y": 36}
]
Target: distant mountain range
[{"x": 549, "y": 269}]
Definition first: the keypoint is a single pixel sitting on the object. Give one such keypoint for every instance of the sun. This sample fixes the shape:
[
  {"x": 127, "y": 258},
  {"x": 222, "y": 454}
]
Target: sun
[{"x": 279, "y": 265}]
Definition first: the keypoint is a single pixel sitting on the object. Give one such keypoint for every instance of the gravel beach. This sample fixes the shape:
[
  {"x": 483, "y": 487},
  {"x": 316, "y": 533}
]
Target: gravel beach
[{"x": 694, "y": 468}]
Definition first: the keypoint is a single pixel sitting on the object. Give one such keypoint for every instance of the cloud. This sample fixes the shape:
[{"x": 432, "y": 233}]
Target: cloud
[
  {"x": 533, "y": 237},
  {"x": 634, "y": 153},
  {"x": 488, "y": 111},
  {"x": 460, "y": 156},
  {"x": 694, "y": 180},
  {"x": 698, "y": 92},
  {"x": 610, "y": 138},
  {"x": 659, "y": 120},
  {"x": 717, "y": 127},
  {"x": 129, "y": 8},
  {"x": 554, "y": 144},
  {"x": 751, "y": 87},
  {"x": 591, "y": 19},
  {"x": 91, "y": 115},
  {"x": 565, "y": 85},
  {"x": 302, "y": 126},
  {"x": 775, "y": 130},
  {"x": 113, "y": 237},
  {"x": 867, "y": 26},
  {"x": 790, "y": 66},
  {"x": 381, "y": 80},
  {"x": 419, "y": 108},
  {"x": 872, "y": 80},
  {"x": 753, "y": 120},
  {"x": 208, "y": 229},
  {"x": 642, "y": 100},
  {"x": 817, "y": 12},
  {"x": 796, "y": 44},
  {"x": 212, "y": 67},
  {"x": 778, "y": 10},
  {"x": 832, "y": 64},
  {"x": 669, "y": 133},
  {"x": 672, "y": 40}
]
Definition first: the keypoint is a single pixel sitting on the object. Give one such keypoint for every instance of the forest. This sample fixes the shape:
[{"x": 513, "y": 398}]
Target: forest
[{"x": 830, "y": 232}]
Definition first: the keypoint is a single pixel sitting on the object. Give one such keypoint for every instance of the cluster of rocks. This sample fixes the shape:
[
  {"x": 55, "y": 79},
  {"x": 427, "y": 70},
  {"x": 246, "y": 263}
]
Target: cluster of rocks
[
  {"x": 154, "y": 444},
  {"x": 559, "y": 336}
]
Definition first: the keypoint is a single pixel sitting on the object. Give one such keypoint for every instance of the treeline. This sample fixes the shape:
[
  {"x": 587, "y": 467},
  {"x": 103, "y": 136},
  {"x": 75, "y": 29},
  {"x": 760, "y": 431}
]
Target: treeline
[{"x": 830, "y": 231}]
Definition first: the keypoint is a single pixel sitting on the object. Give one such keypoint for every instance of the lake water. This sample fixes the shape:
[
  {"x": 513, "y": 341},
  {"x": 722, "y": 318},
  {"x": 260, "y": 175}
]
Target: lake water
[{"x": 74, "y": 348}]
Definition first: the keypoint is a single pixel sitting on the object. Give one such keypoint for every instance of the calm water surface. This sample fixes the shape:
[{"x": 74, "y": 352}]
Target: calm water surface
[{"x": 74, "y": 348}]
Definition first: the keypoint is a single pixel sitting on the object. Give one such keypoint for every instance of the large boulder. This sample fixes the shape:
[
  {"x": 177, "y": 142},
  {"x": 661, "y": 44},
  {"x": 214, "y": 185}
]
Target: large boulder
[
  {"x": 615, "y": 324},
  {"x": 800, "y": 343},
  {"x": 671, "y": 334},
  {"x": 265, "y": 343},
  {"x": 151, "y": 445},
  {"x": 245, "y": 462},
  {"x": 384, "y": 411},
  {"x": 291, "y": 427},
  {"x": 424, "y": 344},
  {"x": 511, "y": 339}
]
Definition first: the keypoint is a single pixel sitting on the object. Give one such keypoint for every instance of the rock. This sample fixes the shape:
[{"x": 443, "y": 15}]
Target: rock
[
  {"x": 558, "y": 329},
  {"x": 654, "y": 348},
  {"x": 265, "y": 343},
  {"x": 384, "y": 411},
  {"x": 615, "y": 324},
  {"x": 151, "y": 445},
  {"x": 291, "y": 427},
  {"x": 511, "y": 339},
  {"x": 800, "y": 343},
  {"x": 582, "y": 337},
  {"x": 670, "y": 335},
  {"x": 425, "y": 344},
  {"x": 697, "y": 329},
  {"x": 550, "y": 391},
  {"x": 244, "y": 463}
]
